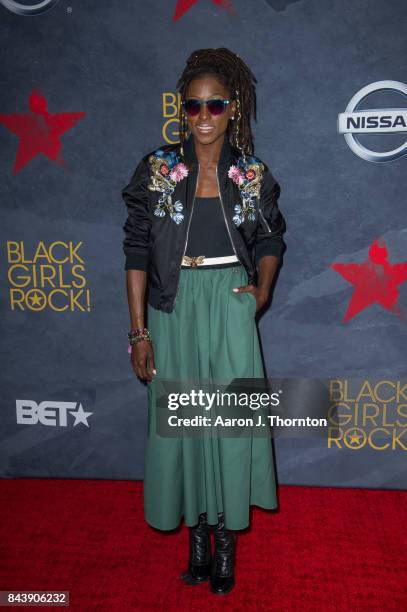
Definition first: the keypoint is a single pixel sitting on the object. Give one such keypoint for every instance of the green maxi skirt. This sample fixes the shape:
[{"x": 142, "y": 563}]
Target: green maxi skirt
[{"x": 210, "y": 334}]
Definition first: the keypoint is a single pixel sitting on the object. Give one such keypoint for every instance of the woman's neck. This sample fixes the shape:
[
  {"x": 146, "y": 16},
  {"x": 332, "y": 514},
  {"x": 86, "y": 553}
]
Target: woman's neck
[{"x": 208, "y": 154}]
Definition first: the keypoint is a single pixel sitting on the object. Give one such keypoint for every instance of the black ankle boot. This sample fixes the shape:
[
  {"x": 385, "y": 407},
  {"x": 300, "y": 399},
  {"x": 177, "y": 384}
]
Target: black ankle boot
[
  {"x": 199, "y": 565},
  {"x": 222, "y": 571}
]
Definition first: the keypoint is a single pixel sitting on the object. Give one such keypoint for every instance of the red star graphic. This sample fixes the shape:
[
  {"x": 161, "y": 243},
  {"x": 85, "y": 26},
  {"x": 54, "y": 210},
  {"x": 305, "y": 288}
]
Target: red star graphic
[
  {"x": 184, "y": 5},
  {"x": 375, "y": 281},
  {"x": 39, "y": 131}
]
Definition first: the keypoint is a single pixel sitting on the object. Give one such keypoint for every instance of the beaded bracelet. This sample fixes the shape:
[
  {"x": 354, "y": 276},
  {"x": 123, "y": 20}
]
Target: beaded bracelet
[
  {"x": 136, "y": 335},
  {"x": 138, "y": 331}
]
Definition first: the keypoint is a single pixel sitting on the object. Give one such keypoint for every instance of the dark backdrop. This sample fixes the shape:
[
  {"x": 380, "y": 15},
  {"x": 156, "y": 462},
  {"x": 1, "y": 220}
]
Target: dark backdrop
[{"x": 63, "y": 341}]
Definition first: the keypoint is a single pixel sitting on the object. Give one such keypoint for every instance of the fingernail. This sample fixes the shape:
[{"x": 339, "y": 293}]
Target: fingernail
[
  {"x": 154, "y": 371},
  {"x": 236, "y": 290}
]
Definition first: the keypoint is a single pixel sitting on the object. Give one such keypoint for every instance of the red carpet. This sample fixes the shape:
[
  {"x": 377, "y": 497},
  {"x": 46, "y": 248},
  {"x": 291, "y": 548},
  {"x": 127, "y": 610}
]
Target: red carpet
[{"x": 325, "y": 549}]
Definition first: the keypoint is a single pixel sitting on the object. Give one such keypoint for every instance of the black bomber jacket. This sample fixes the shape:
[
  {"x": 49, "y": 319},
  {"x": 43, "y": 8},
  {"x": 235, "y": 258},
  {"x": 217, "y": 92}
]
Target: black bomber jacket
[{"x": 160, "y": 198}]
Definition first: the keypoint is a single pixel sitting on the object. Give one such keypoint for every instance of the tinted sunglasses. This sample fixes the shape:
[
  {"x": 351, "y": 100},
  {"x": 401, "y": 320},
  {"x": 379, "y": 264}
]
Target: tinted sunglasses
[{"x": 215, "y": 106}]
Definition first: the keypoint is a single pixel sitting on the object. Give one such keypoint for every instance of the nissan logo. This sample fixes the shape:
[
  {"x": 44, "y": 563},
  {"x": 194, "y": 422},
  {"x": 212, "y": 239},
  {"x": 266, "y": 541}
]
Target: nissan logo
[
  {"x": 374, "y": 121},
  {"x": 28, "y": 8}
]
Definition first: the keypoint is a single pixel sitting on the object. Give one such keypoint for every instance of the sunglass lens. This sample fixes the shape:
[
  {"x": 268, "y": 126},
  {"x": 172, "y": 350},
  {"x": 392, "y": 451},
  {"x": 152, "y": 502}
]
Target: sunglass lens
[
  {"x": 216, "y": 107},
  {"x": 192, "y": 107}
]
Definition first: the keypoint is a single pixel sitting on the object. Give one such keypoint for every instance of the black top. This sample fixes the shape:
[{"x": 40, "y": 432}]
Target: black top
[{"x": 208, "y": 234}]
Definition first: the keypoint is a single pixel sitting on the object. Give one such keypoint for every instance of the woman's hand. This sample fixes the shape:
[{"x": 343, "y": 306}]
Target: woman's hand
[
  {"x": 261, "y": 295},
  {"x": 142, "y": 360},
  {"x": 267, "y": 268}
]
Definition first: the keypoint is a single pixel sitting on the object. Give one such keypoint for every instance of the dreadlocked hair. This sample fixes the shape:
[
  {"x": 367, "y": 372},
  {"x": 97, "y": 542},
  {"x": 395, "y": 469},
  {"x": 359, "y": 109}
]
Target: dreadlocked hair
[{"x": 238, "y": 78}]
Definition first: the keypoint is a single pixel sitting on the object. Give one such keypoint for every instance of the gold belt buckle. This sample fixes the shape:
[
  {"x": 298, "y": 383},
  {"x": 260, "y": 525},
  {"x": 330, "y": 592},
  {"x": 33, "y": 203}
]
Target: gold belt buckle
[{"x": 193, "y": 261}]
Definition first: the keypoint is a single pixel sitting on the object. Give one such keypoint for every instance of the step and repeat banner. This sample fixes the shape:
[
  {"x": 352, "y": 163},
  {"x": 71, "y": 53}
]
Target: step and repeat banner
[{"x": 87, "y": 88}]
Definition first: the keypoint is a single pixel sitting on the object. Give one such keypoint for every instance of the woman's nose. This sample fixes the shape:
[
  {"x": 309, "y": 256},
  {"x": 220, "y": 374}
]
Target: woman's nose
[{"x": 203, "y": 113}]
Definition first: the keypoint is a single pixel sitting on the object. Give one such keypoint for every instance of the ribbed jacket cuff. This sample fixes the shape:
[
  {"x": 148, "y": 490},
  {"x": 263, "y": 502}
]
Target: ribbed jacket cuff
[
  {"x": 135, "y": 261},
  {"x": 268, "y": 247}
]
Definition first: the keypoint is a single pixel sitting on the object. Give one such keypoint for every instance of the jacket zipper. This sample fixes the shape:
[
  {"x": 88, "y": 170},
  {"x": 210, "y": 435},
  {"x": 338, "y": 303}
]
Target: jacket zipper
[
  {"x": 267, "y": 225},
  {"x": 189, "y": 223},
  {"x": 224, "y": 215}
]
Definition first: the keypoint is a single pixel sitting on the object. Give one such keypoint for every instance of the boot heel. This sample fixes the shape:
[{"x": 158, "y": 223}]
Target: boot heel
[{"x": 196, "y": 574}]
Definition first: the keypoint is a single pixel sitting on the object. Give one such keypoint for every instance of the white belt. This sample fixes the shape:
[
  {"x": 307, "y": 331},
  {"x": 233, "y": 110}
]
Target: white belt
[{"x": 199, "y": 260}]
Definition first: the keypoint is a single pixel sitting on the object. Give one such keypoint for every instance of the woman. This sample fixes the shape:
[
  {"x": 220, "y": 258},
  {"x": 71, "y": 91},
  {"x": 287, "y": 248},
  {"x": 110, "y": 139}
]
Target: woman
[{"x": 203, "y": 240}]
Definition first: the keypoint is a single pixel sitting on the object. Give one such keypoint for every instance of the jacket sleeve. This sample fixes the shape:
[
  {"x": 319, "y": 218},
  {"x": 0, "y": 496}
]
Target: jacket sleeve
[
  {"x": 271, "y": 223},
  {"x": 138, "y": 223}
]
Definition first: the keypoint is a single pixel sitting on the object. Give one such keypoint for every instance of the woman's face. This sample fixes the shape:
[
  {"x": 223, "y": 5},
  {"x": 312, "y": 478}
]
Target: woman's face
[{"x": 204, "y": 88}]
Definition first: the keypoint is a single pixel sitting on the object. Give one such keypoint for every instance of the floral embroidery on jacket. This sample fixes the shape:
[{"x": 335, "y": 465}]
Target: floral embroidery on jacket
[
  {"x": 248, "y": 177},
  {"x": 167, "y": 171}
]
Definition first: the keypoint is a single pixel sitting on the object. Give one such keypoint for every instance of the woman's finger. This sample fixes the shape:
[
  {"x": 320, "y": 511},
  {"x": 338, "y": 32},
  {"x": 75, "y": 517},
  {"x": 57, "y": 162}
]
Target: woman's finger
[
  {"x": 150, "y": 363},
  {"x": 244, "y": 289},
  {"x": 239, "y": 289}
]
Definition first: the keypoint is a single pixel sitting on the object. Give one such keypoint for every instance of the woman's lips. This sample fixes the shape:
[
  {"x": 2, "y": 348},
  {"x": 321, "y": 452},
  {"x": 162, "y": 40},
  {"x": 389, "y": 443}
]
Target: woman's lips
[{"x": 204, "y": 129}]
